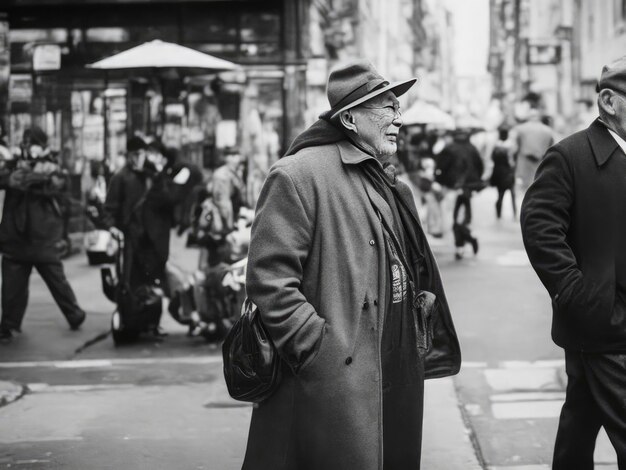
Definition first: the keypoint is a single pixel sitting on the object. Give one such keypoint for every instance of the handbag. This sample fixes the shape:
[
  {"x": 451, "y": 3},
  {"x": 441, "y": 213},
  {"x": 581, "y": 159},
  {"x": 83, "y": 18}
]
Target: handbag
[{"x": 252, "y": 366}]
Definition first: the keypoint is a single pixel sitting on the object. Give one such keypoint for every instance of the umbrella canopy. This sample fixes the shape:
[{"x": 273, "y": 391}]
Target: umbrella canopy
[
  {"x": 160, "y": 54},
  {"x": 422, "y": 112}
]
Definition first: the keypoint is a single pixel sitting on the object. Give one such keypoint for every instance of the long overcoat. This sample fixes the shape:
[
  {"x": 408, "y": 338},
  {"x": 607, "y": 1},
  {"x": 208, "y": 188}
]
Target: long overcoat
[
  {"x": 316, "y": 271},
  {"x": 574, "y": 231},
  {"x": 33, "y": 218}
]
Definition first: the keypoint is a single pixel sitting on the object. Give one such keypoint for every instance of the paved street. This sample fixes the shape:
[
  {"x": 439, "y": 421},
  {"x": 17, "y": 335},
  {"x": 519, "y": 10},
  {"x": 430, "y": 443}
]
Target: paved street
[{"x": 78, "y": 402}]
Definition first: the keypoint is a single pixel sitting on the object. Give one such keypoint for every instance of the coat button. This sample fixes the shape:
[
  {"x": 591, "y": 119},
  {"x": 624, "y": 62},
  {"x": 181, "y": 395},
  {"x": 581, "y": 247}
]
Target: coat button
[
  {"x": 372, "y": 242},
  {"x": 348, "y": 360}
]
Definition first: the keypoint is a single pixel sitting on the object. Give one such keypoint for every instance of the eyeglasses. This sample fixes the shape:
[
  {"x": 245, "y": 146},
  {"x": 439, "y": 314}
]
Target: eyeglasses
[{"x": 395, "y": 109}]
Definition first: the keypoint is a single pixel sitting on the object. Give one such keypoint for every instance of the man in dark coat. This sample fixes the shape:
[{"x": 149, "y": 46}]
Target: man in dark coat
[
  {"x": 140, "y": 207},
  {"x": 349, "y": 292},
  {"x": 31, "y": 231},
  {"x": 574, "y": 228},
  {"x": 460, "y": 167}
]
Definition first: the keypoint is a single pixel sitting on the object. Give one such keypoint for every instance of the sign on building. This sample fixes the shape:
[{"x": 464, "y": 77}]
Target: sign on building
[
  {"x": 543, "y": 54},
  {"x": 46, "y": 57}
]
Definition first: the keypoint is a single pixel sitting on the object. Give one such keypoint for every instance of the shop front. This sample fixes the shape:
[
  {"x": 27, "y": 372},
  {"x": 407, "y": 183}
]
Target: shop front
[{"x": 89, "y": 113}]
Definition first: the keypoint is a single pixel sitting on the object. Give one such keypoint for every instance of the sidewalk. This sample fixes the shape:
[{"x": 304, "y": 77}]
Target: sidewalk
[
  {"x": 47, "y": 338},
  {"x": 207, "y": 424}
]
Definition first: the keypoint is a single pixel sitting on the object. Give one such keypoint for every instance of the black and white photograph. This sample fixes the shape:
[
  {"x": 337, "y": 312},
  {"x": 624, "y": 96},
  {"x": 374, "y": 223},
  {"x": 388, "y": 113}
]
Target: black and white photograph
[{"x": 313, "y": 234}]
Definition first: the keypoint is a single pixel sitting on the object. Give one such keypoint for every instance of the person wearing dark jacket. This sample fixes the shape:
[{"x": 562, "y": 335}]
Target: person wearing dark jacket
[
  {"x": 503, "y": 173},
  {"x": 31, "y": 231},
  {"x": 574, "y": 229},
  {"x": 348, "y": 290},
  {"x": 459, "y": 167},
  {"x": 139, "y": 209}
]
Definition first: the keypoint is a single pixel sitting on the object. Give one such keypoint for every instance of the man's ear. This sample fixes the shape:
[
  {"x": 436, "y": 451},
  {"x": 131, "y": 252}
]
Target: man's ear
[
  {"x": 605, "y": 101},
  {"x": 347, "y": 120}
]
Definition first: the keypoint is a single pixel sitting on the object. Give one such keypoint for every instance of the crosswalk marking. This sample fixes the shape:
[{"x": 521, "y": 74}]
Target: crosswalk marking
[
  {"x": 518, "y": 379},
  {"x": 527, "y": 409},
  {"x": 528, "y": 396},
  {"x": 97, "y": 363}
]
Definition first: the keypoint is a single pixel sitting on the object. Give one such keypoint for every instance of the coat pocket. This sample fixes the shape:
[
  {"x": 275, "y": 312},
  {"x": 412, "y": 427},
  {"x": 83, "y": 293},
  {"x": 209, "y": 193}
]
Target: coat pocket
[
  {"x": 425, "y": 305},
  {"x": 312, "y": 358}
]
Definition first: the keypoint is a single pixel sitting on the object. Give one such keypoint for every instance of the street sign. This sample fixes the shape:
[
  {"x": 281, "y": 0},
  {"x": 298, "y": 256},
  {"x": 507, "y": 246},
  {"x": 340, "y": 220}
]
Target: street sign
[
  {"x": 543, "y": 54},
  {"x": 46, "y": 57}
]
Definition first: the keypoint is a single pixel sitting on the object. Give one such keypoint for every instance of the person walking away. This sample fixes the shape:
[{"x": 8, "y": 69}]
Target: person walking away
[
  {"x": 348, "y": 290},
  {"x": 503, "y": 173},
  {"x": 31, "y": 231},
  {"x": 532, "y": 138},
  {"x": 460, "y": 167},
  {"x": 574, "y": 230}
]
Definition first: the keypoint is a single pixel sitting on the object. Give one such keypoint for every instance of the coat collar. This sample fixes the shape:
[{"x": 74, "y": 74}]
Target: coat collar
[
  {"x": 352, "y": 155},
  {"x": 602, "y": 143}
]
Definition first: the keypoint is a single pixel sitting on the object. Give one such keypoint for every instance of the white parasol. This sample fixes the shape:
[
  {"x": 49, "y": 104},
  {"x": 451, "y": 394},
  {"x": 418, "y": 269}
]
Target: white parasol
[
  {"x": 422, "y": 112},
  {"x": 161, "y": 54}
]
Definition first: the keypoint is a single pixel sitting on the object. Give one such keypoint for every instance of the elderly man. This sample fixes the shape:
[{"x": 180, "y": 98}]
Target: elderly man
[
  {"x": 574, "y": 228},
  {"x": 349, "y": 291}
]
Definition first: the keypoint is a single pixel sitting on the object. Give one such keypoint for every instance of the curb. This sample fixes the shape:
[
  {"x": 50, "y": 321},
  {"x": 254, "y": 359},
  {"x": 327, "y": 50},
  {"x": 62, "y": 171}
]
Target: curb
[
  {"x": 446, "y": 436},
  {"x": 11, "y": 392}
]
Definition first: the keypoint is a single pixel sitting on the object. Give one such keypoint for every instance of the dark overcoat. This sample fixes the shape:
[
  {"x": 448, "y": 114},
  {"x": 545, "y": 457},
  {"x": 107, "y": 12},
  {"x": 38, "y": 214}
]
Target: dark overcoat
[
  {"x": 33, "y": 217},
  {"x": 316, "y": 271},
  {"x": 573, "y": 225},
  {"x": 142, "y": 206}
]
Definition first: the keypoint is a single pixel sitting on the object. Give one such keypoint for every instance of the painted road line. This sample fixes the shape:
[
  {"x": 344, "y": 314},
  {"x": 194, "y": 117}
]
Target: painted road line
[
  {"x": 543, "y": 364},
  {"x": 503, "y": 380},
  {"x": 47, "y": 388},
  {"x": 530, "y": 396},
  {"x": 96, "y": 363},
  {"x": 527, "y": 409}
]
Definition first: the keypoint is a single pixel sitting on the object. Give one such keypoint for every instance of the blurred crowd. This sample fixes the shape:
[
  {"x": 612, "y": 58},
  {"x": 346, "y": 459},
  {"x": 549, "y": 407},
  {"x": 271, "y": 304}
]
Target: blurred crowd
[{"x": 446, "y": 167}]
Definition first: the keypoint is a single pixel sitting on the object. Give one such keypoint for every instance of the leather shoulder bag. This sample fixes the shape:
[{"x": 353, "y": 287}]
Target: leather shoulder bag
[{"x": 251, "y": 362}]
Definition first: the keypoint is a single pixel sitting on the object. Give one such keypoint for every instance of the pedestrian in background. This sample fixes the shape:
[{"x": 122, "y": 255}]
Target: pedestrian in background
[
  {"x": 345, "y": 283},
  {"x": 532, "y": 138},
  {"x": 139, "y": 208},
  {"x": 31, "y": 231},
  {"x": 503, "y": 173},
  {"x": 228, "y": 187},
  {"x": 574, "y": 230},
  {"x": 460, "y": 168}
]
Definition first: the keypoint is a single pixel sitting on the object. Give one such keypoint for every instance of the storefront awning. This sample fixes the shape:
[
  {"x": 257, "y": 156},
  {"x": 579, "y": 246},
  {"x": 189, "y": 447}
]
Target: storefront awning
[{"x": 160, "y": 54}]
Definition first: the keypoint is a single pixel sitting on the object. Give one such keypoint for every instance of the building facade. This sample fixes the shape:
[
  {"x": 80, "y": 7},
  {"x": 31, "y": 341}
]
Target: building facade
[
  {"x": 46, "y": 46},
  {"x": 552, "y": 52},
  {"x": 402, "y": 38}
]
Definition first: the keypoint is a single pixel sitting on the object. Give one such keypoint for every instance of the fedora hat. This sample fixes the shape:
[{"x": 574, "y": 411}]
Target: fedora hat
[{"x": 355, "y": 83}]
